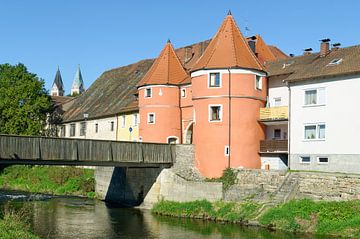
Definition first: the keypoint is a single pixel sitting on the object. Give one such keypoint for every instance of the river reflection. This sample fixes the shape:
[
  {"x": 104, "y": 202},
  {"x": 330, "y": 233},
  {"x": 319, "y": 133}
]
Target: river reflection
[{"x": 62, "y": 218}]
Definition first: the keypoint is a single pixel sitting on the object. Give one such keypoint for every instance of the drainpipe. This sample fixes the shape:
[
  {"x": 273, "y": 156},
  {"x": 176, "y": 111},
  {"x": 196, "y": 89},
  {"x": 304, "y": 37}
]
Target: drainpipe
[
  {"x": 229, "y": 157},
  {"x": 181, "y": 131},
  {"x": 289, "y": 122}
]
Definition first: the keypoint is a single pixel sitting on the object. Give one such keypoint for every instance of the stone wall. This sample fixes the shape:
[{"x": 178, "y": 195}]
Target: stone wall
[{"x": 328, "y": 186}]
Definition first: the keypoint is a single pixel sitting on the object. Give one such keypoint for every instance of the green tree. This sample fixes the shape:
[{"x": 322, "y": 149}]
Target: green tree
[{"x": 24, "y": 102}]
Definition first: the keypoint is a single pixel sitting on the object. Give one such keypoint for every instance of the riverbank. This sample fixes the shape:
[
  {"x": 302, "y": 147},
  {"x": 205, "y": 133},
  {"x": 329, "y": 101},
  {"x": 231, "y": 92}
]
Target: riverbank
[
  {"x": 340, "y": 219},
  {"x": 49, "y": 180},
  {"x": 14, "y": 224}
]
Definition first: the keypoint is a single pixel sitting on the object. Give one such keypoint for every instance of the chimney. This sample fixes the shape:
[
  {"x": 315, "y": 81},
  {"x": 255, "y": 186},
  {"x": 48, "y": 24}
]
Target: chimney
[
  {"x": 307, "y": 51},
  {"x": 324, "y": 47}
]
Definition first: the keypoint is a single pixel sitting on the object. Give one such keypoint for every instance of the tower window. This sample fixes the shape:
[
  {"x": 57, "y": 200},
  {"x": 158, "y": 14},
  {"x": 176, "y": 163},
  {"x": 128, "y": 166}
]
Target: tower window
[
  {"x": 214, "y": 79},
  {"x": 258, "y": 82},
  {"x": 151, "y": 118},
  {"x": 148, "y": 93},
  {"x": 183, "y": 93},
  {"x": 215, "y": 113}
]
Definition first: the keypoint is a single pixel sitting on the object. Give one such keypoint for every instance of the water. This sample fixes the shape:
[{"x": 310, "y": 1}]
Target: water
[{"x": 70, "y": 217}]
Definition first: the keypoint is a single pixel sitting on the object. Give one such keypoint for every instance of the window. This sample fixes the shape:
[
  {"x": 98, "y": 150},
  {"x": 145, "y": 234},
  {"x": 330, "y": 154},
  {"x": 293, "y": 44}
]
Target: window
[
  {"x": 214, "y": 79},
  {"x": 72, "y": 130},
  {"x": 151, "y": 118},
  {"x": 315, "y": 96},
  {"x": 62, "y": 131},
  {"x": 135, "y": 119},
  {"x": 227, "y": 150},
  {"x": 315, "y": 131},
  {"x": 335, "y": 62},
  {"x": 258, "y": 82},
  {"x": 96, "y": 128},
  {"x": 277, "y": 101},
  {"x": 123, "y": 121},
  {"x": 277, "y": 133},
  {"x": 183, "y": 93},
  {"x": 322, "y": 160},
  {"x": 112, "y": 126},
  {"x": 215, "y": 113},
  {"x": 148, "y": 93},
  {"x": 82, "y": 128},
  {"x": 172, "y": 140},
  {"x": 305, "y": 159}
]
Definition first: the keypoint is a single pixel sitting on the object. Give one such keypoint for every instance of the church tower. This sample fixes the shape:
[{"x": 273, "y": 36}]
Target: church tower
[
  {"x": 57, "y": 88},
  {"x": 78, "y": 83}
]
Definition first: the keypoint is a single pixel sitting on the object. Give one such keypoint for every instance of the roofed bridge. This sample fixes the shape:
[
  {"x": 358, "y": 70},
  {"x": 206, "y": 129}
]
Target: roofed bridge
[{"x": 83, "y": 152}]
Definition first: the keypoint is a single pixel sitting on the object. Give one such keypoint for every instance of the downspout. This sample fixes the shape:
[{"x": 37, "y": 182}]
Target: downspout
[
  {"x": 181, "y": 128},
  {"x": 229, "y": 156},
  {"x": 289, "y": 122}
]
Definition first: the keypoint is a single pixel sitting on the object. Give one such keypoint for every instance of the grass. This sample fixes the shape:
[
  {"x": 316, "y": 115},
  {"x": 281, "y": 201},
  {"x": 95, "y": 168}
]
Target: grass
[
  {"x": 227, "y": 179},
  {"x": 341, "y": 219},
  {"x": 49, "y": 179},
  {"x": 15, "y": 224},
  {"x": 218, "y": 211}
]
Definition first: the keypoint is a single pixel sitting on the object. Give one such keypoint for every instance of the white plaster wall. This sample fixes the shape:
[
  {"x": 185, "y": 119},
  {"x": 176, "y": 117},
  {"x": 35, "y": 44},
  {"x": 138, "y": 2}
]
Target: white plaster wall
[
  {"x": 278, "y": 89},
  {"x": 340, "y": 113},
  {"x": 104, "y": 132},
  {"x": 274, "y": 162}
]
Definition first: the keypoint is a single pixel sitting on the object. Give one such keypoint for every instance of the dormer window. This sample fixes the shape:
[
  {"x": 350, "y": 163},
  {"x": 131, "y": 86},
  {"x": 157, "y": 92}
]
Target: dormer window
[
  {"x": 335, "y": 62},
  {"x": 148, "y": 93},
  {"x": 214, "y": 80}
]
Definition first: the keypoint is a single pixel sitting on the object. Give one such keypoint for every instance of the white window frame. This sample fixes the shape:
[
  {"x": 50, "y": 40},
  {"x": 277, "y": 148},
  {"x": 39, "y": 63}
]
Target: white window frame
[
  {"x": 301, "y": 159},
  {"x": 260, "y": 82},
  {"x": 72, "y": 126},
  {"x": 183, "y": 93},
  {"x": 227, "y": 150},
  {"x": 318, "y": 160},
  {"x": 145, "y": 92},
  {"x": 175, "y": 137},
  {"x": 135, "y": 120},
  {"x": 317, "y": 97},
  {"x": 210, "y": 112},
  {"x": 317, "y": 125},
  {"x": 123, "y": 121},
  {"x": 148, "y": 118},
  {"x": 220, "y": 80}
]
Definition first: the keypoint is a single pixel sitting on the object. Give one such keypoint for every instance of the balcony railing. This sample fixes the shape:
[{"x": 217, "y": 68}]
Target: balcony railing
[
  {"x": 274, "y": 146},
  {"x": 274, "y": 113}
]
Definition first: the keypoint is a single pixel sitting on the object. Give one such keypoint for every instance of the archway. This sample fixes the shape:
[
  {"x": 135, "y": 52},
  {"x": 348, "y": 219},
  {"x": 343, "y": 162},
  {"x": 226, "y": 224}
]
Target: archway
[{"x": 189, "y": 134}]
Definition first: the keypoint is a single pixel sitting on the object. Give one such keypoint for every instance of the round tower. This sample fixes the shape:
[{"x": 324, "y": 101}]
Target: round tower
[
  {"x": 159, "y": 99},
  {"x": 229, "y": 87}
]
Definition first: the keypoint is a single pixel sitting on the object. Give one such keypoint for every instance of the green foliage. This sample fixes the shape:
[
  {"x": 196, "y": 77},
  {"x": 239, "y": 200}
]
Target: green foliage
[
  {"x": 49, "y": 179},
  {"x": 221, "y": 211},
  {"x": 15, "y": 224},
  {"x": 24, "y": 103},
  {"x": 324, "y": 218},
  {"x": 228, "y": 178}
]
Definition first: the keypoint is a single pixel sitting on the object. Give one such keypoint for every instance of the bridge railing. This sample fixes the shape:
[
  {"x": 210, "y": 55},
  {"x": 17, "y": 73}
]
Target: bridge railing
[{"x": 44, "y": 148}]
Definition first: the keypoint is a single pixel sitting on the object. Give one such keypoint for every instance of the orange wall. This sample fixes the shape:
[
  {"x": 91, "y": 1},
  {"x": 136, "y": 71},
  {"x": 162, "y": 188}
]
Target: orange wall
[
  {"x": 165, "y": 104},
  {"x": 210, "y": 138}
]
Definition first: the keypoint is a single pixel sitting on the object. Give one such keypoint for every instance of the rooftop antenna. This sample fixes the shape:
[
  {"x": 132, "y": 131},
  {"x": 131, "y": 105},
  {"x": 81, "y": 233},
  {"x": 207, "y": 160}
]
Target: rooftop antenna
[{"x": 229, "y": 13}]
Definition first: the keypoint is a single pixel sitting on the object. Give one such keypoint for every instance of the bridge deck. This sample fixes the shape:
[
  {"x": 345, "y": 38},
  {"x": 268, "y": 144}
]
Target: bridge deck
[{"x": 65, "y": 151}]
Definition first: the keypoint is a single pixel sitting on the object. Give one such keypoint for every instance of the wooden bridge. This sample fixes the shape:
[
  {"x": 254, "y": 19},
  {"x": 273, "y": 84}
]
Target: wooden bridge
[{"x": 84, "y": 152}]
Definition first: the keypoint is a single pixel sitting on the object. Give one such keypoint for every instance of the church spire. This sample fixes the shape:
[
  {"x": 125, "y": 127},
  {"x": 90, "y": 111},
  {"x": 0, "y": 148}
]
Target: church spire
[
  {"x": 57, "y": 88},
  {"x": 78, "y": 83}
]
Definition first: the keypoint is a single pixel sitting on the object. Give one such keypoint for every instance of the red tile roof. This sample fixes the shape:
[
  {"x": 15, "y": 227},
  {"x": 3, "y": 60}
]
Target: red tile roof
[
  {"x": 228, "y": 49},
  {"x": 167, "y": 69}
]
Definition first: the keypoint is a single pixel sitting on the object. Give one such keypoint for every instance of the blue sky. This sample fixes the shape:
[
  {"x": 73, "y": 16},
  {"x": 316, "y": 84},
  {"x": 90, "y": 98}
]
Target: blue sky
[{"x": 101, "y": 35}]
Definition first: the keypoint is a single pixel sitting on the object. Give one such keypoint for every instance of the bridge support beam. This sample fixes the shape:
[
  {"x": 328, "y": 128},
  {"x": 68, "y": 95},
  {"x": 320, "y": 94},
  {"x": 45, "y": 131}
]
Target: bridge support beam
[{"x": 125, "y": 186}]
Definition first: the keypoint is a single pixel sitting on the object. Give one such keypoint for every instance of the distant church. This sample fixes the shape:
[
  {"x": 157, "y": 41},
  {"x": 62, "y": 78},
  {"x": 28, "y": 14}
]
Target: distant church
[{"x": 76, "y": 88}]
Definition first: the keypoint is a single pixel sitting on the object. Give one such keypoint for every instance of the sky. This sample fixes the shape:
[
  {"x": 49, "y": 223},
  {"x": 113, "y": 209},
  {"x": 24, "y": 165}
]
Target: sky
[{"x": 101, "y": 35}]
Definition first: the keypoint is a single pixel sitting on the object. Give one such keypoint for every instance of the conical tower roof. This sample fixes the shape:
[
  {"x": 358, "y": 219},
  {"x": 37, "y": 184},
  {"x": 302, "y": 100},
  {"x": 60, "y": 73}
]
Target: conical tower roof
[
  {"x": 58, "y": 80},
  {"x": 228, "y": 49},
  {"x": 78, "y": 80},
  {"x": 167, "y": 69}
]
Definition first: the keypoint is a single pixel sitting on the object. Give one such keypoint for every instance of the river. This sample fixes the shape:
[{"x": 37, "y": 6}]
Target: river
[{"x": 72, "y": 217}]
